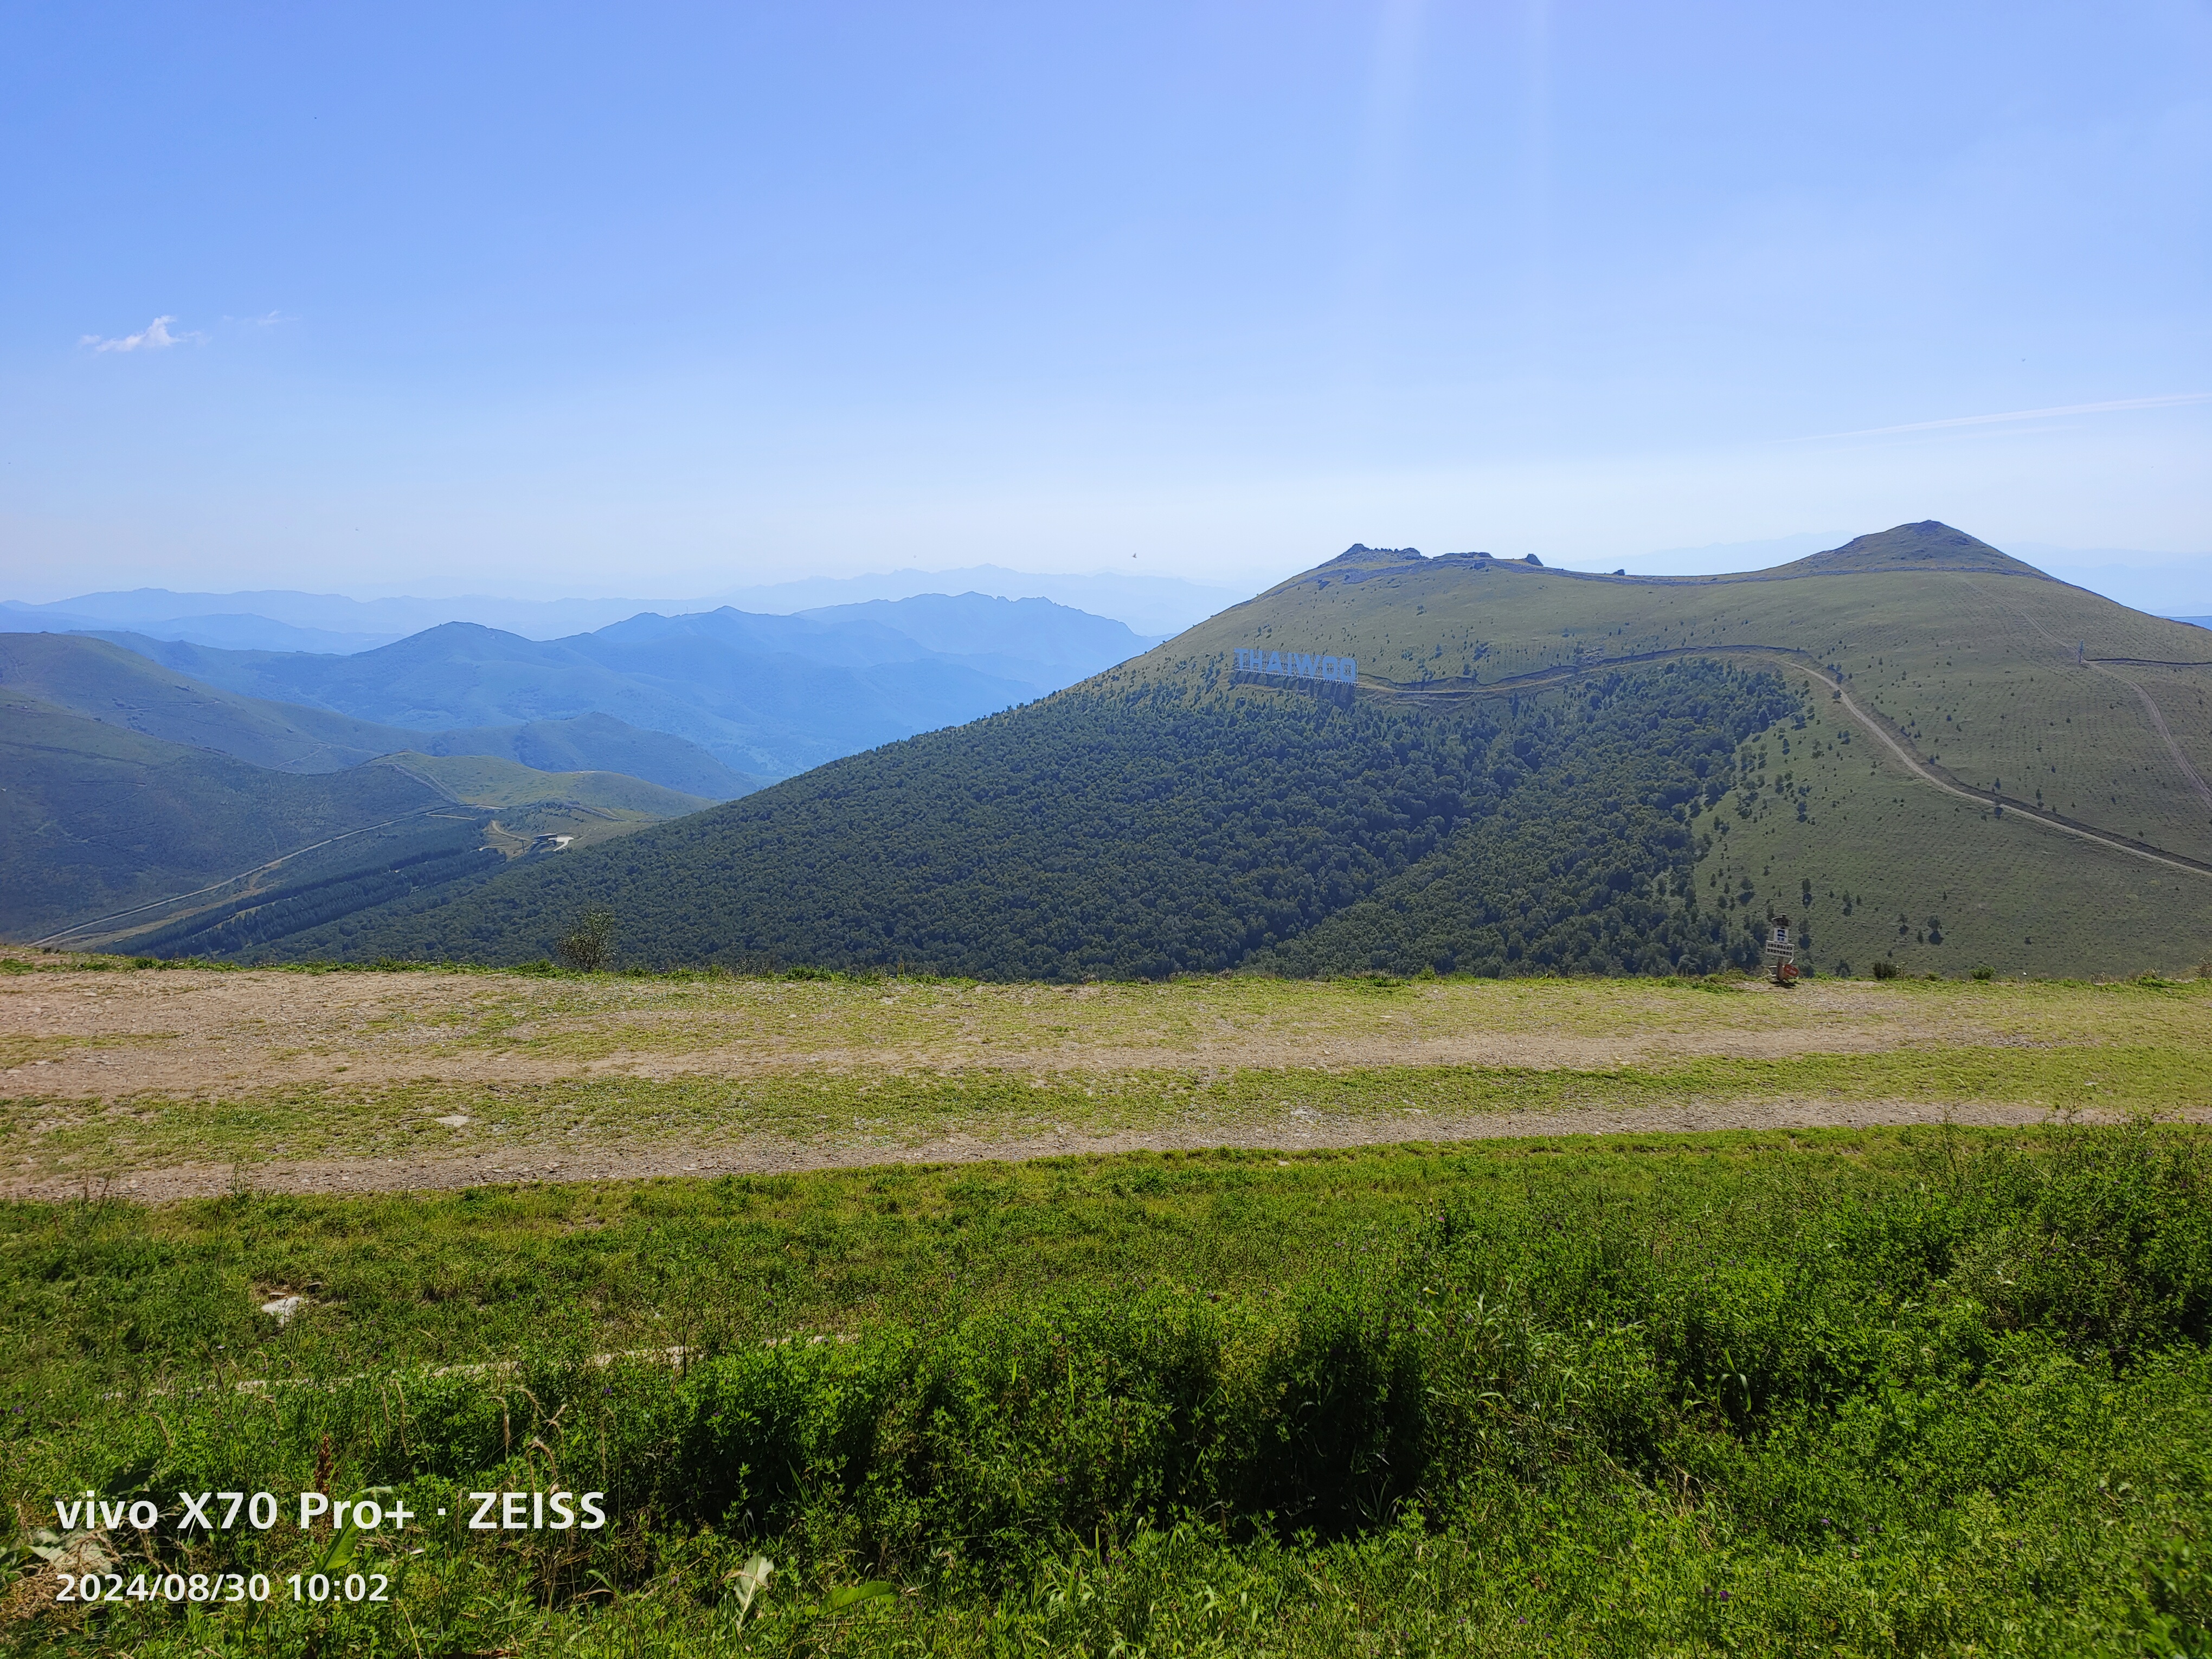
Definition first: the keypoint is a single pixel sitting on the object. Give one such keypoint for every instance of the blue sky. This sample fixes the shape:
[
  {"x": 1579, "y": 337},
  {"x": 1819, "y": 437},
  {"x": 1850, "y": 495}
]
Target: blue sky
[{"x": 663, "y": 299}]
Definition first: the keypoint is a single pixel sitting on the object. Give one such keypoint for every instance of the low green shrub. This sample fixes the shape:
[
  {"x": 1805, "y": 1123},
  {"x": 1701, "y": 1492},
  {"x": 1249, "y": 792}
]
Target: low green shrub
[{"x": 1586, "y": 1408}]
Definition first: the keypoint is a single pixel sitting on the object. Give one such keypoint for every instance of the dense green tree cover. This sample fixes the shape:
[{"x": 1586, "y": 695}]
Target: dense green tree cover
[
  {"x": 450, "y": 851},
  {"x": 1143, "y": 833},
  {"x": 1587, "y": 868}
]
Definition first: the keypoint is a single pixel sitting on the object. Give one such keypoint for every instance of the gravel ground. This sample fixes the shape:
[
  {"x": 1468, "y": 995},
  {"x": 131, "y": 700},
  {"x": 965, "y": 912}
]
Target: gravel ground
[{"x": 78, "y": 1043}]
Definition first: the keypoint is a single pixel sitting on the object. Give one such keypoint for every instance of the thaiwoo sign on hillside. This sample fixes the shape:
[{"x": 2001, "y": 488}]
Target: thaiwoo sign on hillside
[{"x": 1298, "y": 665}]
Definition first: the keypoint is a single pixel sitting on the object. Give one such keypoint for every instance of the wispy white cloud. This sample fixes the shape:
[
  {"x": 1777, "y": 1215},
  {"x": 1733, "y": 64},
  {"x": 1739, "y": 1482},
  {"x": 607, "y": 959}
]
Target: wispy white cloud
[
  {"x": 2172, "y": 400},
  {"x": 155, "y": 336}
]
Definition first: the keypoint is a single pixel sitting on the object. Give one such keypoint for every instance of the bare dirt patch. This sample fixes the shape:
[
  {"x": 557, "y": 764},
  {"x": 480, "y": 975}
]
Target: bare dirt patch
[
  {"x": 168, "y": 1082},
  {"x": 113, "y": 1035},
  {"x": 766, "y": 1156}
]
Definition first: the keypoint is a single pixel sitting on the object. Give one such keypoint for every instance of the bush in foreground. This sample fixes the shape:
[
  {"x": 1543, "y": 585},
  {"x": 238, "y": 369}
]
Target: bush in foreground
[{"x": 1963, "y": 1403}]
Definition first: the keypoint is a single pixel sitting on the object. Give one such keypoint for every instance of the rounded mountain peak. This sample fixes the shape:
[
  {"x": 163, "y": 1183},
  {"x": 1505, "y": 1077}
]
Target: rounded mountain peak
[{"x": 1931, "y": 544}]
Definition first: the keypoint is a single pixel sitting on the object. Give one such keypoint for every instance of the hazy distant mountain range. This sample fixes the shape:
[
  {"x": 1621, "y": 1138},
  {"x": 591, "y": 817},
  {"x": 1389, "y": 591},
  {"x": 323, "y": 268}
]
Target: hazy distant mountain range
[
  {"x": 1152, "y": 606},
  {"x": 281, "y": 620},
  {"x": 1927, "y": 751},
  {"x": 767, "y": 695},
  {"x": 103, "y": 680},
  {"x": 1155, "y": 605}
]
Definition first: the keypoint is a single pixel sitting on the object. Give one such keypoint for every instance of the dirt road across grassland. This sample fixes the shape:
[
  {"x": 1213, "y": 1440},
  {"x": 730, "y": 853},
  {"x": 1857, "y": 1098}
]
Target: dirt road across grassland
[
  {"x": 161, "y": 1083},
  {"x": 1288, "y": 1136}
]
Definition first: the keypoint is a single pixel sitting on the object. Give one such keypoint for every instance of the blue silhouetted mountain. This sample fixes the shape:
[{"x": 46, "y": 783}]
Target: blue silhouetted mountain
[
  {"x": 229, "y": 631},
  {"x": 765, "y": 694},
  {"x": 101, "y": 679},
  {"x": 1034, "y": 641}
]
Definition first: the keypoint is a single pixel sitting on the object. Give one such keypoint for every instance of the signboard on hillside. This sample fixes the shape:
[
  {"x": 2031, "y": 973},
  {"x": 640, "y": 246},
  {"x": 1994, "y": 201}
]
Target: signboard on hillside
[
  {"x": 1327, "y": 677},
  {"x": 1299, "y": 665}
]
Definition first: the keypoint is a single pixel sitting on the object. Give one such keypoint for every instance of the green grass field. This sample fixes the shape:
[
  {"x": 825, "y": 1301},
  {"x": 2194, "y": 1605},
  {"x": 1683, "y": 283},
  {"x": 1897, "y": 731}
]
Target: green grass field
[
  {"x": 1919, "y": 1391},
  {"x": 2008, "y": 892}
]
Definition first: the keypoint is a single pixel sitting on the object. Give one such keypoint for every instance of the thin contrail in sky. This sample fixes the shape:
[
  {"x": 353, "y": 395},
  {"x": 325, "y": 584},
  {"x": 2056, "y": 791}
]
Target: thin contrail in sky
[{"x": 2174, "y": 400}]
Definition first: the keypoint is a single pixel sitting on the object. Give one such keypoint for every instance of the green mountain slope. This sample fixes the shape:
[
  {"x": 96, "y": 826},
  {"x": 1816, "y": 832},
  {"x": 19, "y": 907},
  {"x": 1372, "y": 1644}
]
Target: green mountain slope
[
  {"x": 130, "y": 841},
  {"x": 95, "y": 819},
  {"x": 1537, "y": 769},
  {"x": 104, "y": 681},
  {"x": 1995, "y": 675},
  {"x": 1144, "y": 832},
  {"x": 487, "y": 780}
]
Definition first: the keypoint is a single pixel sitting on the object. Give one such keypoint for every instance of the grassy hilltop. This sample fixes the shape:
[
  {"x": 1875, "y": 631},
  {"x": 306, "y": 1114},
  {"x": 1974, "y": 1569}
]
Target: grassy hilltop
[
  {"x": 1967, "y": 659},
  {"x": 1927, "y": 752},
  {"x": 1968, "y": 653}
]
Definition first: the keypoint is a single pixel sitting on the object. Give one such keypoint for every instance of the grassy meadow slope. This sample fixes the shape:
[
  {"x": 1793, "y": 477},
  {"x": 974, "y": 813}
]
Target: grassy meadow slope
[
  {"x": 1968, "y": 652},
  {"x": 490, "y": 780},
  {"x": 1964, "y": 656},
  {"x": 1906, "y": 873},
  {"x": 1942, "y": 757}
]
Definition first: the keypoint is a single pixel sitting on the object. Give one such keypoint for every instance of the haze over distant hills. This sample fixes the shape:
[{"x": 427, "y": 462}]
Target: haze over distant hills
[
  {"x": 2178, "y": 586},
  {"x": 279, "y": 619},
  {"x": 1154, "y": 606},
  {"x": 105, "y": 682},
  {"x": 768, "y": 695}
]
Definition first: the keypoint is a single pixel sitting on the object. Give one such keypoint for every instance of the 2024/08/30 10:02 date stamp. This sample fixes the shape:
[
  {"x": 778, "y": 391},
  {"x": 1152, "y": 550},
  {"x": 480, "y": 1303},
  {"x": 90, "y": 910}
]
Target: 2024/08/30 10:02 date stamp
[{"x": 222, "y": 1511}]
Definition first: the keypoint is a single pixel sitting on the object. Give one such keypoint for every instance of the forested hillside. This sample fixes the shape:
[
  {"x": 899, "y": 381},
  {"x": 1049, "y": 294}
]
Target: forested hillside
[
  {"x": 1145, "y": 832},
  {"x": 128, "y": 840}
]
